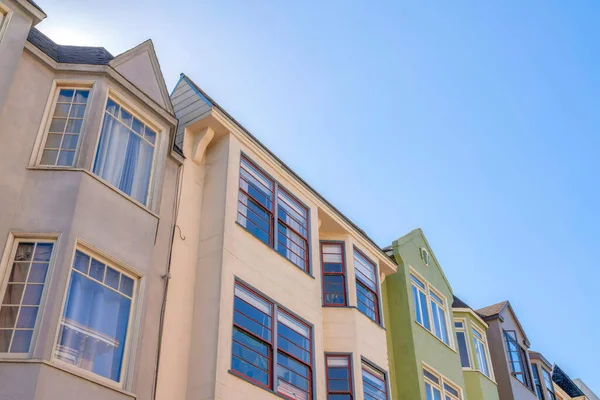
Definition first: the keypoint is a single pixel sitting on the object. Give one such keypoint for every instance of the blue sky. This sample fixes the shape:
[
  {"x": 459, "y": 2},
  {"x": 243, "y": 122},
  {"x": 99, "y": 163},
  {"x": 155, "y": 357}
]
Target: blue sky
[{"x": 476, "y": 121}]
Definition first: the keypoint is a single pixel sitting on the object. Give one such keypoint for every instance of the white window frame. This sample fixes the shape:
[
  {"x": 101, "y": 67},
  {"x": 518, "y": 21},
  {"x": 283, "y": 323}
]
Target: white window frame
[
  {"x": 467, "y": 341},
  {"x": 441, "y": 385},
  {"x": 7, "y": 14},
  {"x": 449, "y": 325},
  {"x": 40, "y": 143},
  {"x": 486, "y": 350},
  {"x": 132, "y": 325},
  {"x": 161, "y": 135},
  {"x": 6, "y": 267}
]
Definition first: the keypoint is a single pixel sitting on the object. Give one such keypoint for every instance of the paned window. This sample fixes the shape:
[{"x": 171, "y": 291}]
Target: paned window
[
  {"x": 334, "y": 274},
  {"x": 125, "y": 153},
  {"x": 96, "y": 317},
  {"x": 548, "y": 383},
  {"x": 261, "y": 202},
  {"x": 438, "y": 387},
  {"x": 481, "y": 352},
  {"x": 339, "y": 377},
  {"x": 463, "y": 346},
  {"x": 254, "y": 345},
  {"x": 22, "y": 294},
  {"x": 420, "y": 302},
  {"x": 374, "y": 383},
  {"x": 430, "y": 308},
  {"x": 539, "y": 390},
  {"x": 367, "y": 293},
  {"x": 65, "y": 127},
  {"x": 438, "y": 315},
  {"x": 519, "y": 365}
]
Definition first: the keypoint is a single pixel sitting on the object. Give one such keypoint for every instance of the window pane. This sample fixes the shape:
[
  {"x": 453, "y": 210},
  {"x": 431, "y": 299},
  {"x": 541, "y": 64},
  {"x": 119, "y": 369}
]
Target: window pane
[
  {"x": 424, "y": 310},
  {"x": 334, "y": 290},
  {"x": 463, "y": 350},
  {"x": 21, "y": 341},
  {"x": 365, "y": 270},
  {"x": 374, "y": 384},
  {"x": 367, "y": 302},
  {"x": 94, "y": 327},
  {"x": 123, "y": 158},
  {"x": 338, "y": 376},
  {"x": 65, "y": 95}
]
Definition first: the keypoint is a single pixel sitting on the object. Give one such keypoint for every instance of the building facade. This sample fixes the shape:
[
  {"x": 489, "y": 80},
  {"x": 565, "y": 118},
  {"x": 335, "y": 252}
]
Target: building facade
[
  {"x": 273, "y": 292},
  {"x": 473, "y": 348},
  {"x": 421, "y": 336},
  {"x": 87, "y": 194}
]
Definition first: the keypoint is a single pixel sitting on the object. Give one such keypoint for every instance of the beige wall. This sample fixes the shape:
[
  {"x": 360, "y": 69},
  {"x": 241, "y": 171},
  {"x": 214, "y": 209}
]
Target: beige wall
[
  {"x": 76, "y": 205},
  {"x": 216, "y": 251}
]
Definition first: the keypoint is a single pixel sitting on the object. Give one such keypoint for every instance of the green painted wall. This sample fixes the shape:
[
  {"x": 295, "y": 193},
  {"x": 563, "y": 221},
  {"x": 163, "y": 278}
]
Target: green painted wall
[
  {"x": 478, "y": 386},
  {"x": 410, "y": 344}
]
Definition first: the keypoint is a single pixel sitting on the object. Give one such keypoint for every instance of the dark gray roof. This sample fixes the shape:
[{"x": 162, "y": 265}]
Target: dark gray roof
[
  {"x": 69, "y": 54},
  {"x": 458, "y": 303},
  {"x": 565, "y": 383}
]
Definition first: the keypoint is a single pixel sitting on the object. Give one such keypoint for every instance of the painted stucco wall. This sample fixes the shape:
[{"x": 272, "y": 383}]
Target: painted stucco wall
[
  {"x": 412, "y": 344},
  {"x": 478, "y": 385},
  {"x": 509, "y": 387},
  {"x": 76, "y": 205},
  {"x": 217, "y": 251}
]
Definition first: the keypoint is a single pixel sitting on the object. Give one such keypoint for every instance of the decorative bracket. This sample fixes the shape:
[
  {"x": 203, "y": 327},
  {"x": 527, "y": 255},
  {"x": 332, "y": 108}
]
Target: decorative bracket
[{"x": 201, "y": 141}]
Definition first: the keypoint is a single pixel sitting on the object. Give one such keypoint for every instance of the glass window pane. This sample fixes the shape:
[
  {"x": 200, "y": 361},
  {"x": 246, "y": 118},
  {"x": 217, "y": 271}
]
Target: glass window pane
[
  {"x": 126, "y": 286},
  {"x": 62, "y": 110},
  {"x": 82, "y": 262},
  {"x": 21, "y": 341},
  {"x": 53, "y": 141},
  {"x": 74, "y": 126},
  {"x": 38, "y": 273},
  {"x": 112, "y": 278},
  {"x": 24, "y": 252},
  {"x": 19, "y": 272},
  {"x": 49, "y": 157},
  {"x": 94, "y": 327},
  {"x": 33, "y": 294},
  {"x": 137, "y": 126},
  {"x": 81, "y": 96},
  {"x": 8, "y": 316},
  {"x": 97, "y": 270},
  {"x": 65, "y": 95},
  {"x": 463, "y": 349},
  {"x": 70, "y": 142},
  {"x": 126, "y": 117},
  {"x": 5, "y": 337},
  {"x": 43, "y": 251},
  {"x": 65, "y": 158},
  {"x": 27, "y": 317},
  {"x": 13, "y": 294},
  {"x": 112, "y": 107},
  {"x": 58, "y": 125}
]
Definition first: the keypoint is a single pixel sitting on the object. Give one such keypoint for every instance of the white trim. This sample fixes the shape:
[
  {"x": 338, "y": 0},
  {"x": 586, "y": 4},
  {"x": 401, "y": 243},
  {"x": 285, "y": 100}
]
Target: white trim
[
  {"x": 40, "y": 141},
  {"x": 443, "y": 380},
  {"x": 13, "y": 241},
  {"x": 132, "y": 326},
  {"x": 7, "y": 14}
]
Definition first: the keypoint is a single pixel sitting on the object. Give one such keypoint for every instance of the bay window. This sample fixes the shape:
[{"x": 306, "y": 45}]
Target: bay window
[
  {"x": 334, "y": 274},
  {"x": 97, "y": 313},
  {"x": 430, "y": 307},
  {"x": 437, "y": 387},
  {"x": 367, "y": 286},
  {"x": 481, "y": 352},
  {"x": 126, "y": 150},
  {"x": 282, "y": 364},
  {"x": 21, "y": 294},
  {"x": 262, "y": 203}
]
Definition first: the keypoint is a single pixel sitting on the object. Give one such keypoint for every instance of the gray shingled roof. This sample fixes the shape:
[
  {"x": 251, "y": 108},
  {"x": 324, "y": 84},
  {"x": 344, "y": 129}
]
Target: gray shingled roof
[{"x": 69, "y": 54}]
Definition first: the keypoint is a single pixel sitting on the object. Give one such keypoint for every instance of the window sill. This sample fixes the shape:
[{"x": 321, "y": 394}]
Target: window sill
[
  {"x": 481, "y": 373},
  {"x": 246, "y": 379},
  {"x": 360, "y": 312},
  {"x": 71, "y": 371},
  {"x": 275, "y": 251},
  {"x": 98, "y": 179},
  {"x": 437, "y": 338}
]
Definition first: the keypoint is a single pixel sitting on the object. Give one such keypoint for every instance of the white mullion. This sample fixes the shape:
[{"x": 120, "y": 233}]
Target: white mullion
[
  {"x": 128, "y": 127},
  {"x": 14, "y": 329},
  {"x": 102, "y": 283}
]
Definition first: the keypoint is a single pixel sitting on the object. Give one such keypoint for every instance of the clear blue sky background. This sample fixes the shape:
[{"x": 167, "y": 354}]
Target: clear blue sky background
[{"x": 476, "y": 121}]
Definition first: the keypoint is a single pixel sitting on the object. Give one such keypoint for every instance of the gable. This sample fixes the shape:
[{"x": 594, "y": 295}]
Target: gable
[
  {"x": 189, "y": 105},
  {"x": 511, "y": 322},
  {"x": 140, "y": 67},
  {"x": 408, "y": 248}
]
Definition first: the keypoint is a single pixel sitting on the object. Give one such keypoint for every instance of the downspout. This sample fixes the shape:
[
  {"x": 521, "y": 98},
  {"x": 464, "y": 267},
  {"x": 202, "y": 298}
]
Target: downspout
[{"x": 167, "y": 277}]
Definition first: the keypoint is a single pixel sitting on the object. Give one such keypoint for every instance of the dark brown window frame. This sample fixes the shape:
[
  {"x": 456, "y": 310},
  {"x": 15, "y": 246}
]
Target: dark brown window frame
[
  {"x": 350, "y": 391},
  {"x": 343, "y": 274}
]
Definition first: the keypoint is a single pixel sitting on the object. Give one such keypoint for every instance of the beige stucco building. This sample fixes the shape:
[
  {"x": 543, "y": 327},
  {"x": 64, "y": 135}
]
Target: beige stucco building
[
  {"x": 273, "y": 292},
  {"x": 87, "y": 197}
]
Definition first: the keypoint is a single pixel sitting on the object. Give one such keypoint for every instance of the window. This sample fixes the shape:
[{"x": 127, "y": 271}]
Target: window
[
  {"x": 125, "y": 152},
  {"x": 437, "y": 387},
  {"x": 339, "y": 377},
  {"x": 438, "y": 315},
  {"x": 257, "y": 213},
  {"x": 436, "y": 322},
  {"x": 334, "y": 274},
  {"x": 420, "y": 302},
  {"x": 517, "y": 359},
  {"x": 481, "y": 352},
  {"x": 65, "y": 127},
  {"x": 461, "y": 340},
  {"x": 537, "y": 382},
  {"x": 424, "y": 255},
  {"x": 253, "y": 346},
  {"x": 96, "y": 317},
  {"x": 22, "y": 294},
  {"x": 367, "y": 294},
  {"x": 374, "y": 383},
  {"x": 548, "y": 383}
]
